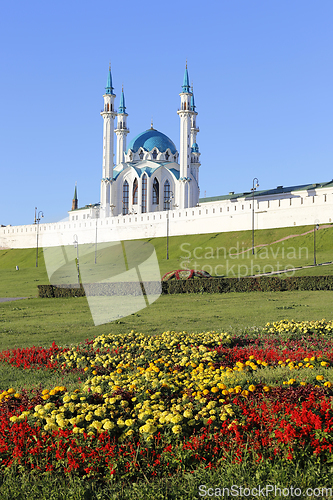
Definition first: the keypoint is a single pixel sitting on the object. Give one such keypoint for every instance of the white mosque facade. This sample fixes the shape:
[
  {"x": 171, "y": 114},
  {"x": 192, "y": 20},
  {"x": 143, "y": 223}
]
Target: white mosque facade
[{"x": 153, "y": 188}]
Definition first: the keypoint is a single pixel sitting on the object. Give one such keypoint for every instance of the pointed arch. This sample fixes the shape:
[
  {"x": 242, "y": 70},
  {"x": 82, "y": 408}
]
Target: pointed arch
[
  {"x": 125, "y": 197},
  {"x": 144, "y": 194},
  {"x": 166, "y": 194},
  {"x": 154, "y": 154},
  {"x": 141, "y": 154},
  {"x": 156, "y": 192},
  {"x": 135, "y": 192}
]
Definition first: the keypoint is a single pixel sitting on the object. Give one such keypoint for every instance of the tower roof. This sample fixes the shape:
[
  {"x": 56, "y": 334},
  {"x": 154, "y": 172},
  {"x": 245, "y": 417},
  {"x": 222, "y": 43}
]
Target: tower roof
[
  {"x": 186, "y": 82},
  {"x": 151, "y": 139},
  {"x": 109, "y": 88},
  {"x": 75, "y": 192},
  {"x": 192, "y": 102},
  {"x": 122, "y": 106}
]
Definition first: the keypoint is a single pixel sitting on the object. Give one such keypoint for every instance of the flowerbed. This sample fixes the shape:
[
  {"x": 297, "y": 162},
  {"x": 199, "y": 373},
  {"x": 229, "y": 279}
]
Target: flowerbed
[{"x": 164, "y": 404}]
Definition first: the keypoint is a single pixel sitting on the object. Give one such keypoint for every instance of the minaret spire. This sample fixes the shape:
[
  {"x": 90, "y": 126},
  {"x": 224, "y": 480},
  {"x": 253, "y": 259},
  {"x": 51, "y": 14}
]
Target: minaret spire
[
  {"x": 186, "y": 82},
  {"x": 121, "y": 130},
  {"x": 109, "y": 89},
  {"x": 122, "y": 106}
]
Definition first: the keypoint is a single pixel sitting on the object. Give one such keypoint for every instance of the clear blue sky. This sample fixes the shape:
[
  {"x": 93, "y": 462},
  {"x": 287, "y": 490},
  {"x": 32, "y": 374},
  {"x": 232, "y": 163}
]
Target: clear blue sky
[{"x": 262, "y": 72}]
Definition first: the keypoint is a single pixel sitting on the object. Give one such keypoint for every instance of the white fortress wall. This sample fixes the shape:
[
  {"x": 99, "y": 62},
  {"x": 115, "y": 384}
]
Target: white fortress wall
[{"x": 287, "y": 210}]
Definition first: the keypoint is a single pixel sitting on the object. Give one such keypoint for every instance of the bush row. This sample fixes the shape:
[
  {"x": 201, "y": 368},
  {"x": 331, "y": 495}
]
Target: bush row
[
  {"x": 260, "y": 284},
  {"x": 100, "y": 289},
  {"x": 210, "y": 285}
]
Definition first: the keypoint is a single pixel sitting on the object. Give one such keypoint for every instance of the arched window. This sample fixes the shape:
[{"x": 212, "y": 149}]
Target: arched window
[
  {"x": 141, "y": 155},
  {"x": 154, "y": 154},
  {"x": 125, "y": 198},
  {"x": 135, "y": 192},
  {"x": 144, "y": 194},
  {"x": 166, "y": 195},
  {"x": 167, "y": 156},
  {"x": 184, "y": 105},
  {"x": 156, "y": 194},
  {"x": 107, "y": 107}
]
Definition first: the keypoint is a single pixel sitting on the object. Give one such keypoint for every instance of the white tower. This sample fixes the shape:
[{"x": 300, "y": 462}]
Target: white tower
[
  {"x": 108, "y": 115},
  {"x": 195, "y": 154},
  {"x": 185, "y": 115},
  {"x": 121, "y": 130}
]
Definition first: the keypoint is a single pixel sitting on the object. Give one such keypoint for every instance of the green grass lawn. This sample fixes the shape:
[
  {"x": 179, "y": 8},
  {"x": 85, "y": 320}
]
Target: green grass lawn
[
  {"x": 215, "y": 253},
  {"x": 66, "y": 321}
]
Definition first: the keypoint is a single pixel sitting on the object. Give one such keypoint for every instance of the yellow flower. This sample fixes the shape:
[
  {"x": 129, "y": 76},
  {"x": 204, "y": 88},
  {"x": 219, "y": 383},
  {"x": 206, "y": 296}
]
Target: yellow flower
[
  {"x": 266, "y": 388},
  {"x": 252, "y": 388},
  {"x": 319, "y": 377},
  {"x": 328, "y": 384},
  {"x": 177, "y": 429},
  {"x": 214, "y": 389}
]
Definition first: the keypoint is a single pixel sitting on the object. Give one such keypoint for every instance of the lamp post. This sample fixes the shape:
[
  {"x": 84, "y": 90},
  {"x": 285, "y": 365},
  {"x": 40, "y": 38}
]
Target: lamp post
[
  {"x": 254, "y": 187},
  {"x": 37, "y": 221},
  {"x": 168, "y": 201},
  {"x": 315, "y": 228},
  {"x": 76, "y": 245}
]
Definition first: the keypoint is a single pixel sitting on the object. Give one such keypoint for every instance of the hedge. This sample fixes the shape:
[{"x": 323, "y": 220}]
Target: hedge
[
  {"x": 259, "y": 284},
  {"x": 100, "y": 289},
  {"x": 209, "y": 285}
]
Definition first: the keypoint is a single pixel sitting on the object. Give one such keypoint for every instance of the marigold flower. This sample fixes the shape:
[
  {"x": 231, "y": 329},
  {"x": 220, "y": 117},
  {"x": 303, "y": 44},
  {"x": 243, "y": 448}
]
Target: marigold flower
[{"x": 177, "y": 429}]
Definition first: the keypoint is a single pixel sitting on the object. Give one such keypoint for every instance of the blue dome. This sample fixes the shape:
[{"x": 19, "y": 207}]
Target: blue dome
[
  {"x": 195, "y": 148},
  {"x": 151, "y": 139}
]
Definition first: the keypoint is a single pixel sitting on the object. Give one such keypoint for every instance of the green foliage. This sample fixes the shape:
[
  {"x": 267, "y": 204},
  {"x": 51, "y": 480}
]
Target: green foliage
[
  {"x": 50, "y": 291},
  {"x": 260, "y": 284}
]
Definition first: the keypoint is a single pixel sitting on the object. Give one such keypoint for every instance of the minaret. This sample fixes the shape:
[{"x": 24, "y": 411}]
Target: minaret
[
  {"x": 75, "y": 201},
  {"x": 121, "y": 130},
  {"x": 195, "y": 154},
  {"x": 185, "y": 115},
  {"x": 108, "y": 115}
]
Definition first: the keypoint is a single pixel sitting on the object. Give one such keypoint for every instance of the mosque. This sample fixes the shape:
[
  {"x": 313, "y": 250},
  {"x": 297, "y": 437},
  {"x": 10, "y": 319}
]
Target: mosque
[
  {"x": 152, "y": 191},
  {"x": 150, "y": 175}
]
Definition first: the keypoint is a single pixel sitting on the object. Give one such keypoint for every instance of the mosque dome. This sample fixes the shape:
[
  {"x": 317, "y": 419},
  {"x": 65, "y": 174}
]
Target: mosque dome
[{"x": 151, "y": 139}]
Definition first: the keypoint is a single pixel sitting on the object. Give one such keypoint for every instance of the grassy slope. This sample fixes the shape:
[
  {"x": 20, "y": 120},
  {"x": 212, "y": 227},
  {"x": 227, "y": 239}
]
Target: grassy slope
[{"x": 214, "y": 253}]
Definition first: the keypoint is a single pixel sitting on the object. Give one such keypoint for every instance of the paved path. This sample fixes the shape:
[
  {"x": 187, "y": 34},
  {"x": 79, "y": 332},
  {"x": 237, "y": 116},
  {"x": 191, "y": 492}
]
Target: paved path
[{"x": 8, "y": 299}]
